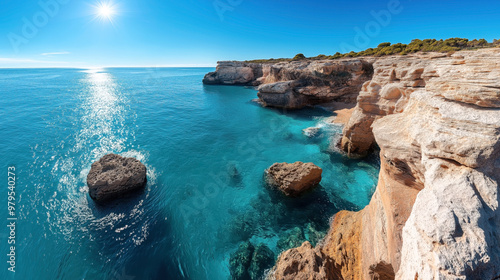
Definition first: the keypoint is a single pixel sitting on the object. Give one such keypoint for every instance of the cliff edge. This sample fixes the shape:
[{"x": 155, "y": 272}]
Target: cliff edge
[
  {"x": 434, "y": 214},
  {"x": 296, "y": 84}
]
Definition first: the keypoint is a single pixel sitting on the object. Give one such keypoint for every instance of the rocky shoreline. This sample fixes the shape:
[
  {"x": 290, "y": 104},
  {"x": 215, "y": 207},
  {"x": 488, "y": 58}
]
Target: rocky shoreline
[
  {"x": 296, "y": 84},
  {"x": 436, "y": 119}
]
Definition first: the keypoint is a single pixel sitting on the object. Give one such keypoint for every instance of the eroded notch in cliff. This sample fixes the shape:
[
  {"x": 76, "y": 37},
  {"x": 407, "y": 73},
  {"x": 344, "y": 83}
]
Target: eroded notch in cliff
[{"x": 382, "y": 271}]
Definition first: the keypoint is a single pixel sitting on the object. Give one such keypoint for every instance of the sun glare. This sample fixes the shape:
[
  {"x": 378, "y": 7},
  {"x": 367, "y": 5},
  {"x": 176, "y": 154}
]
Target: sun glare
[{"x": 105, "y": 10}]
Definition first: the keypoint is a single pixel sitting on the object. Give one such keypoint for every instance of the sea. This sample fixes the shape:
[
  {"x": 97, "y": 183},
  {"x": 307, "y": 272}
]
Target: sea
[{"x": 205, "y": 147}]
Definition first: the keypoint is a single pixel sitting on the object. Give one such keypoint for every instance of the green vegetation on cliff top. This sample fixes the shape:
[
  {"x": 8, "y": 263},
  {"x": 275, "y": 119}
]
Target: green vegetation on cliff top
[{"x": 428, "y": 45}]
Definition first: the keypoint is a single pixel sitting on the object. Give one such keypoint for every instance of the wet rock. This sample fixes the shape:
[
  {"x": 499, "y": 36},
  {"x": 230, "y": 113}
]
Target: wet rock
[
  {"x": 293, "y": 179},
  {"x": 239, "y": 261},
  {"x": 262, "y": 259},
  {"x": 113, "y": 176},
  {"x": 293, "y": 239},
  {"x": 311, "y": 132}
]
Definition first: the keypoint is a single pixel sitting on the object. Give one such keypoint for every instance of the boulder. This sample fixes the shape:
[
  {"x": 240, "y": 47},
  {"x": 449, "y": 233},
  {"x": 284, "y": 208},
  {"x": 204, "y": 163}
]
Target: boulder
[
  {"x": 304, "y": 263},
  {"x": 293, "y": 179},
  {"x": 113, "y": 175}
]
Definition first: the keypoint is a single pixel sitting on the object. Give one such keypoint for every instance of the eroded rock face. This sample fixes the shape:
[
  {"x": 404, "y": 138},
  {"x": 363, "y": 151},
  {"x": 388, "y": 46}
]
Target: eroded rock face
[
  {"x": 297, "y": 84},
  {"x": 293, "y": 179},
  {"x": 452, "y": 231},
  {"x": 113, "y": 175},
  {"x": 233, "y": 73},
  {"x": 468, "y": 76},
  {"x": 303, "y": 263},
  {"x": 434, "y": 214}
]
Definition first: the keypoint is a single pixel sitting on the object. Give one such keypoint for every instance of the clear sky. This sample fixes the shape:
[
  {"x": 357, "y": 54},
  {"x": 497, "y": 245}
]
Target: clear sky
[{"x": 92, "y": 33}]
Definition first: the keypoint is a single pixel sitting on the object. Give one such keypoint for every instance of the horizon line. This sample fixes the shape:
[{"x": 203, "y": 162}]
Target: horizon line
[{"x": 105, "y": 67}]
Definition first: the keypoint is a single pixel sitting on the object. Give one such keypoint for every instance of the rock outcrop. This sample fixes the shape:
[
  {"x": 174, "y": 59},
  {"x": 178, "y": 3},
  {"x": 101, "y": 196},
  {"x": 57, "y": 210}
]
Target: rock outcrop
[
  {"x": 296, "y": 84},
  {"x": 113, "y": 175},
  {"x": 293, "y": 179},
  {"x": 434, "y": 214},
  {"x": 234, "y": 73},
  {"x": 304, "y": 263}
]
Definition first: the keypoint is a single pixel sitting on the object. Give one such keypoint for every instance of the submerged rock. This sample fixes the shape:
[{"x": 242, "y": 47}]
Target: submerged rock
[
  {"x": 113, "y": 175},
  {"x": 249, "y": 262},
  {"x": 313, "y": 234},
  {"x": 262, "y": 259},
  {"x": 311, "y": 131},
  {"x": 293, "y": 239},
  {"x": 293, "y": 178},
  {"x": 239, "y": 261}
]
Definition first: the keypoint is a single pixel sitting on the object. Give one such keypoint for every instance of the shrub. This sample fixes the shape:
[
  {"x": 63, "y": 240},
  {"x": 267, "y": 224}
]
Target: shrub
[
  {"x": 299, "y": 56},
  {"x": 383, "y": 45},
  {"x": 449, "y": 46}
]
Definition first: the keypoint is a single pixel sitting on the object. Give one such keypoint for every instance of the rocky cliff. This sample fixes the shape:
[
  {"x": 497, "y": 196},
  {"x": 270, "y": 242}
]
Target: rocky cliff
[
  {"x": 296, "y": 84},
  {"x": 434, "y": 214}
]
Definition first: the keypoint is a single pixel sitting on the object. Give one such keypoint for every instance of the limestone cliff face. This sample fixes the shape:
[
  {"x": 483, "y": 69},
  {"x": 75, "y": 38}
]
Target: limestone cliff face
[
  {"x": 296, "y": 84},
  {"x": 436, "y": 118},
  {"x": 234, "y": 73},
  {"x": 434, "y": 214}
]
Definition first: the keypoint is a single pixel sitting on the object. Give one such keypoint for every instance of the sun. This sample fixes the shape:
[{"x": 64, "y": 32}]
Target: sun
[{"x": 105, "y": 10}]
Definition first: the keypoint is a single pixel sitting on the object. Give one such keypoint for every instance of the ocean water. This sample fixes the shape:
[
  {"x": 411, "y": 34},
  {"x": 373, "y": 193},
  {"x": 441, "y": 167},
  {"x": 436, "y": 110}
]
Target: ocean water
[{"x": 206, "y": 149}]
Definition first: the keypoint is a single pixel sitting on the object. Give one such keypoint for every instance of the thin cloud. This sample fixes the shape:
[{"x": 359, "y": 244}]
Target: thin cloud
[
  {"x": 55, "y": 53},
  {"x": 26, "y": 60}
]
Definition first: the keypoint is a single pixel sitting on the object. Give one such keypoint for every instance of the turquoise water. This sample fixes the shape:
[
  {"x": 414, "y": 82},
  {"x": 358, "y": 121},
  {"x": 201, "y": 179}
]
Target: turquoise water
[{"x": 205, "y": 148}]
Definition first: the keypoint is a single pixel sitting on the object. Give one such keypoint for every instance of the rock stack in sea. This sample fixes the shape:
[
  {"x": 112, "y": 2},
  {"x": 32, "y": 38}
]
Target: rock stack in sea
[
  {"x": 112, "y": 176},
  {"x": 293, "y": 179}
]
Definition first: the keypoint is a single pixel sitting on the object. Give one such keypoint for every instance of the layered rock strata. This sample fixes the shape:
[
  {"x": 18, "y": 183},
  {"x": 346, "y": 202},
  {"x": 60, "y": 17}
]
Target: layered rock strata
[
  {"x": 296, "y": 84},
  {"x": 434, "y": 214}
]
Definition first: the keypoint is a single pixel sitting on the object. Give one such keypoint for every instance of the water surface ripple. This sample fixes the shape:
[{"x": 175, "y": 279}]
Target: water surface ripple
[{"x": 205, "y": 148}]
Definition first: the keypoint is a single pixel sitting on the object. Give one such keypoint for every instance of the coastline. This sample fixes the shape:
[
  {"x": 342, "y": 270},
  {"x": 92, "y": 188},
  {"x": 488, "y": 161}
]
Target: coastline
[{"x": 403, "y": 107}]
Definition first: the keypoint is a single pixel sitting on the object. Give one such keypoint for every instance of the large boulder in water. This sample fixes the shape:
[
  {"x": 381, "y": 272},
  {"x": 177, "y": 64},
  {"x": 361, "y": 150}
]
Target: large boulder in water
[
  {"x": 114, "y": 175},
  {"x": 293, "y": 178}
]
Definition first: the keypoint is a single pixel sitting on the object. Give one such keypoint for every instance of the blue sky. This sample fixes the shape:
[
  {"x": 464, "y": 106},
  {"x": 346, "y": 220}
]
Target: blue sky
[{"x": 69, "y": 33}]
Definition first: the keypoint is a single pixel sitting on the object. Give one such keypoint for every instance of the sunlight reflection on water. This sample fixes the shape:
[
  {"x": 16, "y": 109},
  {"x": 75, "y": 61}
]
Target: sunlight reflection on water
[{"x": 101, "y": 121}]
